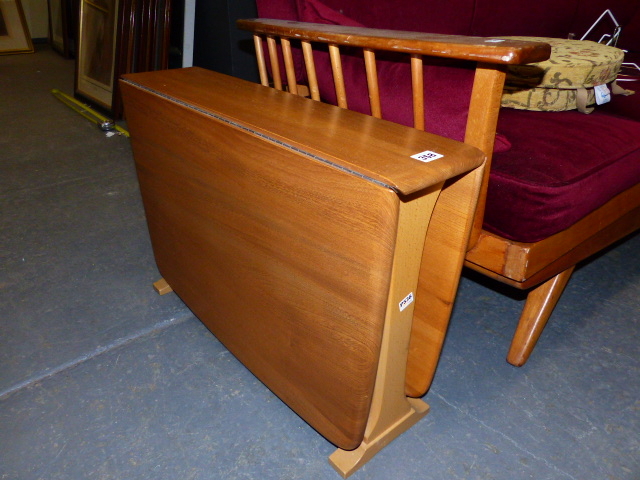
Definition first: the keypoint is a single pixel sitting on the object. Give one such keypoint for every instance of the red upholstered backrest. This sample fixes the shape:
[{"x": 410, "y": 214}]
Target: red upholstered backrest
[
  {"x": 546, "y": 18},
  {"x": 630, "y": 38},
  {"x": 541, "y": 18},
  {"x": 626, "y": 12},
  {"x": 447, "y": 88},
  {"x": 280, "y": 9},
  {"x": 435, "y": 16}
]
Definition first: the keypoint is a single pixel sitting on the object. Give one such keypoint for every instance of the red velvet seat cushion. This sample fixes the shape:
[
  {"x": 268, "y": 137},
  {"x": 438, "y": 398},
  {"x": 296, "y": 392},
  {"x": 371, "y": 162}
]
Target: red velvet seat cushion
[
  {"x": 626, "y": 106},
  {"x": 561, "y": 167}
]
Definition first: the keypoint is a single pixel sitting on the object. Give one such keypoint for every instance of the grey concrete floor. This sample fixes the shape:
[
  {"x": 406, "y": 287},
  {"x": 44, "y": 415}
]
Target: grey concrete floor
[{"x": 101, "y": 378}]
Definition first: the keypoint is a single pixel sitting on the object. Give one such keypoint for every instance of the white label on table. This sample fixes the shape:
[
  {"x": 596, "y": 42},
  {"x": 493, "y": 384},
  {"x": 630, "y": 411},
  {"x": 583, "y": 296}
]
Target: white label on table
[
  {"x": 427, "y": 156},
  {"x": 406, "y": 301},
  {"x": 603, "y": 95}
]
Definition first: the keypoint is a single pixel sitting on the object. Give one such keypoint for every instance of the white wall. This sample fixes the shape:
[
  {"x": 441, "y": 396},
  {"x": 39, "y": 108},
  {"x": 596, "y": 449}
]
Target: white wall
[
  {"x": 187, "y": 44},
  {"x": 37, "y": 15}
]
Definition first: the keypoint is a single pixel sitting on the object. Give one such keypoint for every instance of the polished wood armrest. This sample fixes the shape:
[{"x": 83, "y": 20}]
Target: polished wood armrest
[{"x": 461, "y": 47}]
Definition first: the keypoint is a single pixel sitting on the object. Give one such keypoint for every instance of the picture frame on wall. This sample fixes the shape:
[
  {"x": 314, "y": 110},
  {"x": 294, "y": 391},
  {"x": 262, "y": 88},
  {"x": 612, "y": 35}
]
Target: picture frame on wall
[
  {"x": 14, "y": 32},
  {"x": 117, "y": 37},
  {"x": 96, "y": 58}
]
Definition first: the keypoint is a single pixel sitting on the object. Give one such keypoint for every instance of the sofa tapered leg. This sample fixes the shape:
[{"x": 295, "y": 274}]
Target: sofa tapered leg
[{"x": 540, "y": 303}]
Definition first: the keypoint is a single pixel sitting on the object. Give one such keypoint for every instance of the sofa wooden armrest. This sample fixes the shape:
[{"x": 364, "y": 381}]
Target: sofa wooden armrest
[{"x": 460, "y": 47}]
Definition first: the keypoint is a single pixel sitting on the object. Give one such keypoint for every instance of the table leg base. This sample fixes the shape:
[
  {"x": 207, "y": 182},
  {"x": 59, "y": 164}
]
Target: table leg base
[
  {"x": 162, "y": 287},
  {"x": 346, "y": 462}
]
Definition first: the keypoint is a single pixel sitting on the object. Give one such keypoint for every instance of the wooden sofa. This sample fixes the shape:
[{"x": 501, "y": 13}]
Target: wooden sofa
[{"x": 561, "y": 186}]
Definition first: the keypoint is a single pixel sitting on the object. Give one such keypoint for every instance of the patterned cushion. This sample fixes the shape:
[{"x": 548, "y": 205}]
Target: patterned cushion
[{"x": 554, "y": 85}]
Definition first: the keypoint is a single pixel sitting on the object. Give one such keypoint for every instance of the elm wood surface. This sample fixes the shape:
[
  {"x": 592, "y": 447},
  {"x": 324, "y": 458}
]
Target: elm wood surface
[
  {"x": 293, "y": 230},
  {"x": 336, "y": 135},
  {"x": 489, "y": 254}
]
